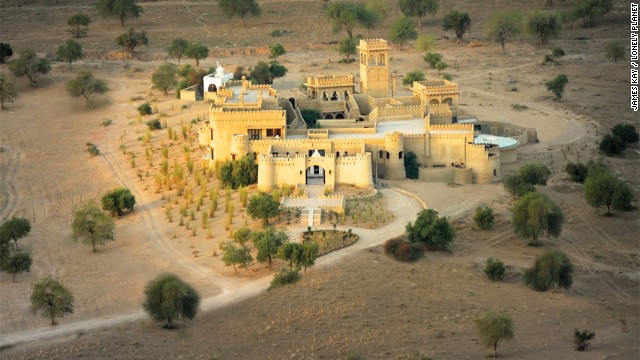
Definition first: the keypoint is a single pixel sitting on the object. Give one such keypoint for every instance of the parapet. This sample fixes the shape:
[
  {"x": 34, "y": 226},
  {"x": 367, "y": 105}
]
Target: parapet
[
  {"x": 322, "y": 81},
  {"x": 373, "y": 44}
]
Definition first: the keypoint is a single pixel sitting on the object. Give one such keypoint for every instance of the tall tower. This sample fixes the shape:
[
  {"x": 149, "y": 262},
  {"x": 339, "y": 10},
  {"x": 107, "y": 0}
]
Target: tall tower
[{"x": 374, "y": 67}]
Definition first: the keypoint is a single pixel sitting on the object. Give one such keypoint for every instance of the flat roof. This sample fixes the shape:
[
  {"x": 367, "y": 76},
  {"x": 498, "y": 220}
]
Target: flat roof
[
  {"x": 250, "y": 95},
  {"x": 501, "y": 141}
]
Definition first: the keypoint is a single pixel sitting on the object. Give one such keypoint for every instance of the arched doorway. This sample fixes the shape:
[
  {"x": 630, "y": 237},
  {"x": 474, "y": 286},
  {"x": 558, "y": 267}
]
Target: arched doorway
[
  {"x": 434, "y": 102},
  {"x": 339, "y": 116},
  {"x": 315, "y": 175},
  {"x": 212, "y": 88},
  {"x": 293, "y": 102},
  {"x": 328, "y": 116}
]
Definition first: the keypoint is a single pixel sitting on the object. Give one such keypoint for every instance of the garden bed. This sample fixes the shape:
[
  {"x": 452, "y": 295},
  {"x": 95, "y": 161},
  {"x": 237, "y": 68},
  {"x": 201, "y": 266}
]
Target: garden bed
[{"x": 330, "y": 240}]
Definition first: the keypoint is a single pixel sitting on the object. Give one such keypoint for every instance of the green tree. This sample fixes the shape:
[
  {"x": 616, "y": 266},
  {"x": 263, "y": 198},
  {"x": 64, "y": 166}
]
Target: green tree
[
  {"x": 178, "y": 48},
  {"x": 310, "y": 116},
  {"x": 242, "y": 235},
  {"x": 277, "y": 70},
  {"x": 402, "y": 31},
  {"x": 346, "y": 48},
  {"x": 131, "y": 39},
  {"x": 79, "y": 23},
  {"x": 503, "y": 26},
  {"x": 263, "y": 206},
  {"x": 544, "y": 25},
  {"x": 590, "y": 10},
  {"x": 458, "y": 21},
  {"x": 309, "y": 254},
  {"x": 261, "y": 74},
  {"x": 494, "y": 269},
  {"x": 168, "y": 298},
  {"x": 92, "y": 225},
  {"x": 344, "y": 16},
  {"x": 492, "y": 328},
  {"x": 5, "y": 52},
  {"x": 419, "y": 8},
  {"x": 601, "y": 188},
  {"x": 517, "y": 186},
  {"x": 291, "y": 252},
  {"x": 15, "y": 229},
  {"x": 121, "y": 9},
  {"x": 196, "y": 51},
  {"x": 237, "y": 255},
  {"x": 556, "y": 86},
  {"x": 276, "y": 50},
  {"x": 118, "y": 200},
  {"x": 70, "y": 51},
  {"x": 51, "y": 299},
  {"x": 267, "y": 242},
  {"x": 240, "y": 8},
  {"x": 550, "y": 270},
  {"x": 612, "y": 144},
  {"x": 29, "y": 65},
  {"x": 7, "y": 90},
  {"x": 411, "y": 165},
  {"x": 534, "y": 173},
  {"x": 431, "y": 230},
  {"x": 484, "y": 218},
  {"x": 426, "y": 43},
  {"x": 432, "y": 59},
  {"x": 164, "y": 77},
  {"x": 369, "y": 18},
  {"x": 626, "y": 132},
  {"x": 534, "y": 215},
  {"x": 17, "y": 263},
  {"x": 86, "y": 85},
  {"x": 614, "y": 50},
  {"x": 411, "y": 76}
]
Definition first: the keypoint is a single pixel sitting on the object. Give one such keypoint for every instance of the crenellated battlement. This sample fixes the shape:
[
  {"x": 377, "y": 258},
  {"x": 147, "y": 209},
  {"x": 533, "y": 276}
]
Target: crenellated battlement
[
  {"x": 467, "y": 127},
  {"x": 324, "y": 80},
  {"x": 393, "y": 136},
  {"x": 373, "y": 44}
]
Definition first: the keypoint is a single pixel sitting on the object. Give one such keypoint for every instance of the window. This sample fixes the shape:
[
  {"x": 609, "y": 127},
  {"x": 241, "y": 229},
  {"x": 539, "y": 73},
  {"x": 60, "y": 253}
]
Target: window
[
  {"x": 337, "y": 154},
  {"x": 381, "y": 154},
  {"x": 400, "y": 155},
  {"x": 329, "y": 172},
  {"x": 494, "y": 172},
  {"x": 273, "y": 132},
  {"x": 254, "y": 134},
  {"x": 387, "y": 155},
  {"x": 300, "y": 172},
  {"x": 316, "y": 169}
]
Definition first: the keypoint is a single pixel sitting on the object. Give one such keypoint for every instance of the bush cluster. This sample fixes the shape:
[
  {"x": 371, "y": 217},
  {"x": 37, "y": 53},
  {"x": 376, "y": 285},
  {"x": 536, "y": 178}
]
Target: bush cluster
[
  {"x": 403, "y": 250},
  {"x": 145, "y": 109},
  {"x": 154, "y": 124},
  {"x": 621, "y": 136},
  {"x": 494, "y": 269},
  {"x": 283, "y": 277},
  {"x": 528, "y": 175},
  {"x": 484, "y": 218}
]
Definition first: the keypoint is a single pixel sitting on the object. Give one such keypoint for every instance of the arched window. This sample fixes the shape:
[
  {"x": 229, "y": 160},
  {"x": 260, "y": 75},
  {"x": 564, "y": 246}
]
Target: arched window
[
  {"x": 212, "y": 88},
  {"x": 233, "y": 156},
  {"x": 337, "y": 154},
  {"x": 387, "y": 155},
  {"x": 400, "y": 155},
  {"x": 334, "y": 96}
]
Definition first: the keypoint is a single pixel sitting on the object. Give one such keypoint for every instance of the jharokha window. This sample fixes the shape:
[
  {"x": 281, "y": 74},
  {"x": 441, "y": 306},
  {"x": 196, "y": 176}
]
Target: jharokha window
[{"x": 273, "y": 132}]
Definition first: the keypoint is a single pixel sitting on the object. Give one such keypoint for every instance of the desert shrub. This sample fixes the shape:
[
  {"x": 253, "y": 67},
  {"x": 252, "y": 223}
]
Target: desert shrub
[
  {"x": 411, "y": 76},
  {"x": 611, "y": 145},
  {"x": 534, "y": 173},
  {"x": 558, "y": 52},
  {"x": 577, "y": 171},
  {"x": 276, "y": 33},
  {"x": 154, "y": 124},
  {"x": 484, "y": 218},
  {"x": 494, "y": 269},
  {"x": 92, "y": 149},
  {"x": 519, "y": 107},
  {"x": 145, "y": 109},
  {"x": 581, "y": 339},
  {"x": 550, "y": 270},
  {"x": 106, "y": 122},
  {"x": 283, "y": 277},
  {"x": 626, "y": 132},
  {"x": 403, "y": 250}
]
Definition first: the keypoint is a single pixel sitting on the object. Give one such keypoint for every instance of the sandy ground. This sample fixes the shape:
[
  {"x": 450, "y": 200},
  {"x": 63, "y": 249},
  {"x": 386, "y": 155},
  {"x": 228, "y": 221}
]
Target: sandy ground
[{"x": 357, "y": 302}]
